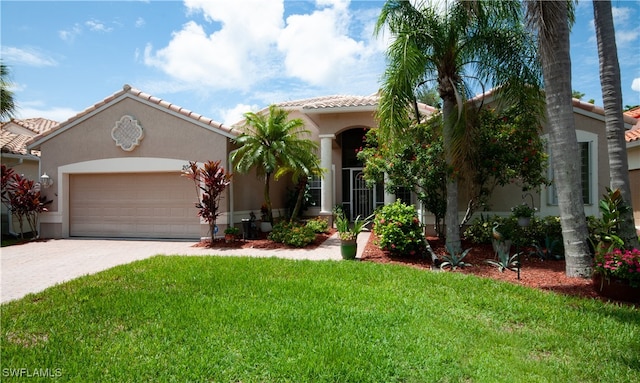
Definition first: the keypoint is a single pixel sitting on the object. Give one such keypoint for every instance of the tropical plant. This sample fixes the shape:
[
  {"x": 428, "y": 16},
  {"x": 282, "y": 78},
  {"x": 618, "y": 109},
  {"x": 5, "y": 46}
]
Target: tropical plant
[
  {"x": 604, "y": 234},
  {"x": 452, "y": 259},
  {"x": 620, "y": 264},
  {"x": 480, "y": 41},
  {"x": 613, "y": 115},
  {"x": 348, "y": 232},
  {"x": 22, "y": 198},
  {"x": 505, "y": 261},
  {"x": 271, "y": 141},
  {"x": 302, "y": 168},
  {"x": 399, "y": 230},
  {"x": 7, "y": 103},
  {"x": 547, "y": 251},
  {"x": 210, "y": 181}
]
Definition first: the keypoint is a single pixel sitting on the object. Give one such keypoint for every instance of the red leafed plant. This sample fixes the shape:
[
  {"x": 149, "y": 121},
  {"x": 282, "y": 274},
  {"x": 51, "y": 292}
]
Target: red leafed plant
[
  {"x": 23, "y": 199},
  {"x": 211, "y": 180}
]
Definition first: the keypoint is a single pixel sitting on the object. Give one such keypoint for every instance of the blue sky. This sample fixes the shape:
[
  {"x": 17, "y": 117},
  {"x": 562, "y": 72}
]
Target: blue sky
[{"x": 223, "y": 58}]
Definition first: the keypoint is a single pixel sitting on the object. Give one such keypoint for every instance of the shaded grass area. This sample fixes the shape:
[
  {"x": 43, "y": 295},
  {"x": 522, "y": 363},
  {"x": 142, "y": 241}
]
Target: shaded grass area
[{"x": 221, "y": 319}]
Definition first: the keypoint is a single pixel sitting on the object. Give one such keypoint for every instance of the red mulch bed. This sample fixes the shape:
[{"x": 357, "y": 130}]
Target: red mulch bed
[{"x": 547, "y": 275}]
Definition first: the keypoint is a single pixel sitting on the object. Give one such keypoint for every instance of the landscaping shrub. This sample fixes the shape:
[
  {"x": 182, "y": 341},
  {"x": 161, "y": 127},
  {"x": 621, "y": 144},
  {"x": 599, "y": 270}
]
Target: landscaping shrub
[
  {"x": 399, "y": 231},
  {"x": 318, "y": 225},
  {"x": 292, "y": 234}
]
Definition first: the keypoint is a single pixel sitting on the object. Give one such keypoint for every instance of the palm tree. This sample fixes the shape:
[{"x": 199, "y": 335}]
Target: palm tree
[
  {"x": 613, "y": 115},
  {"x": 7, "y": 104},
  {"x": 305, "y": 167},
  {"x": 468, "y": 42},
  {"x": 551, "y": 21},
  {"x": 271, "y": 141}
]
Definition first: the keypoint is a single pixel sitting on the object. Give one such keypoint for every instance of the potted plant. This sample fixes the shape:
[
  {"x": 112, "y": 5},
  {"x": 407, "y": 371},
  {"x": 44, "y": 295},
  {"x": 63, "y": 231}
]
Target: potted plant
[
  {"x": 524, "y": 213},
  {"x": 231, "y": 234},
  {"x": 349, "y": 234},
  {"x": 616, "y": 274},
  {"x": 265, "y": 224}
]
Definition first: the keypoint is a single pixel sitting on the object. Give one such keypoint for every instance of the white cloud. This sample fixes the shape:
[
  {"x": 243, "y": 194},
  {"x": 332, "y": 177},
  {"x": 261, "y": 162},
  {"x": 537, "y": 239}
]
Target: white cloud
[
  {"x": 26, "y": 56},
  {"x": 69, "y": 35},
  {"x": 140, "y": 22},
  {"x": 635, "y": 84},
  {"x": 317, "y": 46},
  {"x": 620, "y": 15},
  {"x": 233, "y": 57},
  {"x": 236, "y": 114},
  {"x": 244, "y": 44},
  {"x": 35, "y": 109},
  {"x": 97, "y": 26}
]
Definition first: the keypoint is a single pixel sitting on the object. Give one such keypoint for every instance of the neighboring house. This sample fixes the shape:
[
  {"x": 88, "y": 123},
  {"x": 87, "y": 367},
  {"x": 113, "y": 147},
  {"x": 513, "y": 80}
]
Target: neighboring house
[
  {"x": 13, "y": 136},
  {"x": 116, "y": 166},
  {"x": 633, "y": 154}
]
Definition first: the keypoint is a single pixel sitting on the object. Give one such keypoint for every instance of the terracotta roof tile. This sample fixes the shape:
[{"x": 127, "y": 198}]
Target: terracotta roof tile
[
  {"x": 145, "y": 97},
  {"x": 15, "y": 142},
  {"x": 635, "y": 112}
]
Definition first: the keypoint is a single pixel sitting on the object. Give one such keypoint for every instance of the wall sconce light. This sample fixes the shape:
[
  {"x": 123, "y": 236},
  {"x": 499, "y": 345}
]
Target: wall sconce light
[{"x": 45, "y": 180}]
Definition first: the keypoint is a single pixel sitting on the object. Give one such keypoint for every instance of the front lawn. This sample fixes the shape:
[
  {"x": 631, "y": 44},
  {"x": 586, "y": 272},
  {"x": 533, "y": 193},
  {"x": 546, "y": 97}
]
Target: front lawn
[{"x": 223, "y": 319}]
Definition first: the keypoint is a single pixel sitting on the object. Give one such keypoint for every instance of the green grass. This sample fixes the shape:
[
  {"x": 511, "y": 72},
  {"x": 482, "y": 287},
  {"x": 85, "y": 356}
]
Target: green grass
[{"x": 220, "y": 319}]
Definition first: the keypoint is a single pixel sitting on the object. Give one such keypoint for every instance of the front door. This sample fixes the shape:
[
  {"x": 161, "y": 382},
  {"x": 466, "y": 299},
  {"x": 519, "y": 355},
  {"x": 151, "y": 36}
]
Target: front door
[{"x": 362, "y": 195}]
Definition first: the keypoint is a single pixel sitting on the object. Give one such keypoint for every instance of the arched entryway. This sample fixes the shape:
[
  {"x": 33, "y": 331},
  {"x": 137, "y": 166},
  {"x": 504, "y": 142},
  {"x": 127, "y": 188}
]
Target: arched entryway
[{"x": 357, "y": 198}]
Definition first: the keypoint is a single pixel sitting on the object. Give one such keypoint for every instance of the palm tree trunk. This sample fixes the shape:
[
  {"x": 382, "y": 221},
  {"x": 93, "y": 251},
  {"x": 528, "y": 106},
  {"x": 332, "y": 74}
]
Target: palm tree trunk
[
  {"x": 613, "y": 116},
  {"x": 556, "y": 66},
  {"x": 302, "y": 185},
  {"x": 267, "y": 197},
  {"x": 451, "y": 220}
]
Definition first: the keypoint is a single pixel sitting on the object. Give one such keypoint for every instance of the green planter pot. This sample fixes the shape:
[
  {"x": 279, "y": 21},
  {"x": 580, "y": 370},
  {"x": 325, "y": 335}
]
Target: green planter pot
[
  {"x": 617, "y": 289},
  {"x": 348, "y": 249}
]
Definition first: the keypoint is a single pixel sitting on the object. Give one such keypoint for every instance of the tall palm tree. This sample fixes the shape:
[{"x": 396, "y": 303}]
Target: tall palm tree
[
  {"x": 271, "y": 141},
  {"x": 7, "y": 103},
  {"x": 551, "y": 21},
  {"x": 468, "y": 42},
  {"x": 613, "y": 115}
]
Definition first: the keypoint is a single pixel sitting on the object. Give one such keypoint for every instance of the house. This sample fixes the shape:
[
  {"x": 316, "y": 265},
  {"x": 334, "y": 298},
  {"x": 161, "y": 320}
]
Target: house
[
  {"x": 632, "y": 137},
  {"x": 591, "y": 135},
  {"x": 116, "y": 166},
  {"x": 13, "y": 137}
]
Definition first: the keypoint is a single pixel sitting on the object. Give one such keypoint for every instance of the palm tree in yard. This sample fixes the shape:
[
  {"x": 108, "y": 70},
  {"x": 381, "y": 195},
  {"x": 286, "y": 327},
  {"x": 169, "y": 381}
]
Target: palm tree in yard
[
  {"x": 304, "y": 167},
  {"x": 614, "y": 120},
  {"x": 7, "y": 104},
  {"x": 455, "y": 46},
  {"x": 271, "y": 141},
  {"x": 551, "y": 22}
]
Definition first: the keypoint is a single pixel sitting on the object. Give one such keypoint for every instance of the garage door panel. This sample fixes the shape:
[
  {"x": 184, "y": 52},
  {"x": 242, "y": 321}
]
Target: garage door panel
[{"x": 149, "y": 205}]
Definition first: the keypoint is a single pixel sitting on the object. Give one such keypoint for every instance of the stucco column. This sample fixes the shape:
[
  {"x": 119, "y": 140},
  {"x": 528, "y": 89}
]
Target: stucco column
[
  {"x": 326, "y": 186},
  {"x": 388, "y": 197}
]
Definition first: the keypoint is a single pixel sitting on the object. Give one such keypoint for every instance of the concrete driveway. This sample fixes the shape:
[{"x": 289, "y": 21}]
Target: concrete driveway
[{"x": 35, "y": 266}]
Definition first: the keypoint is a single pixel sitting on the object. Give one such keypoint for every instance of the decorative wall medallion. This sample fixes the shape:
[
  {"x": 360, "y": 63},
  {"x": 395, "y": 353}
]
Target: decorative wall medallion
[{"x": 127, "y": 133}]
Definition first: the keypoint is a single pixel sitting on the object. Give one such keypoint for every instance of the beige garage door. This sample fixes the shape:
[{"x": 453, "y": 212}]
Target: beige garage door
[{"x": 147, "y": 205}]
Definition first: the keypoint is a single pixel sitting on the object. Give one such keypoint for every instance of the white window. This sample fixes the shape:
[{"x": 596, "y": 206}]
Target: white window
[
  {"x": 315, "y": 183},
  {"x": 587, "y": 143}
]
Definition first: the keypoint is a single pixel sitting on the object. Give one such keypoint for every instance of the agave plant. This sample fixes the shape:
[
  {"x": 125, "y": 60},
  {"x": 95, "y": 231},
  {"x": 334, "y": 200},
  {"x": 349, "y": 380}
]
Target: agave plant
[
  {"x": 505, "y": 261},
  {"x": 452, "y": 260}
]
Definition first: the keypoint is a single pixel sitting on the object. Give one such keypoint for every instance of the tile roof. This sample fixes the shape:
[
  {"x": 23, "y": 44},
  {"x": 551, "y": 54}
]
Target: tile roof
[
  {"x": 14, "y": 140},
  {"x": 332, "y": 102},
  {"x": 635, "y": 112},
  {"x": 128, "y": 91}
]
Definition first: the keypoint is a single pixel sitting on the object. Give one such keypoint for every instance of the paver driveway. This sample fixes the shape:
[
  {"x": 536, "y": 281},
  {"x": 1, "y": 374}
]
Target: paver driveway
[{"x": 35, "y": 266}]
